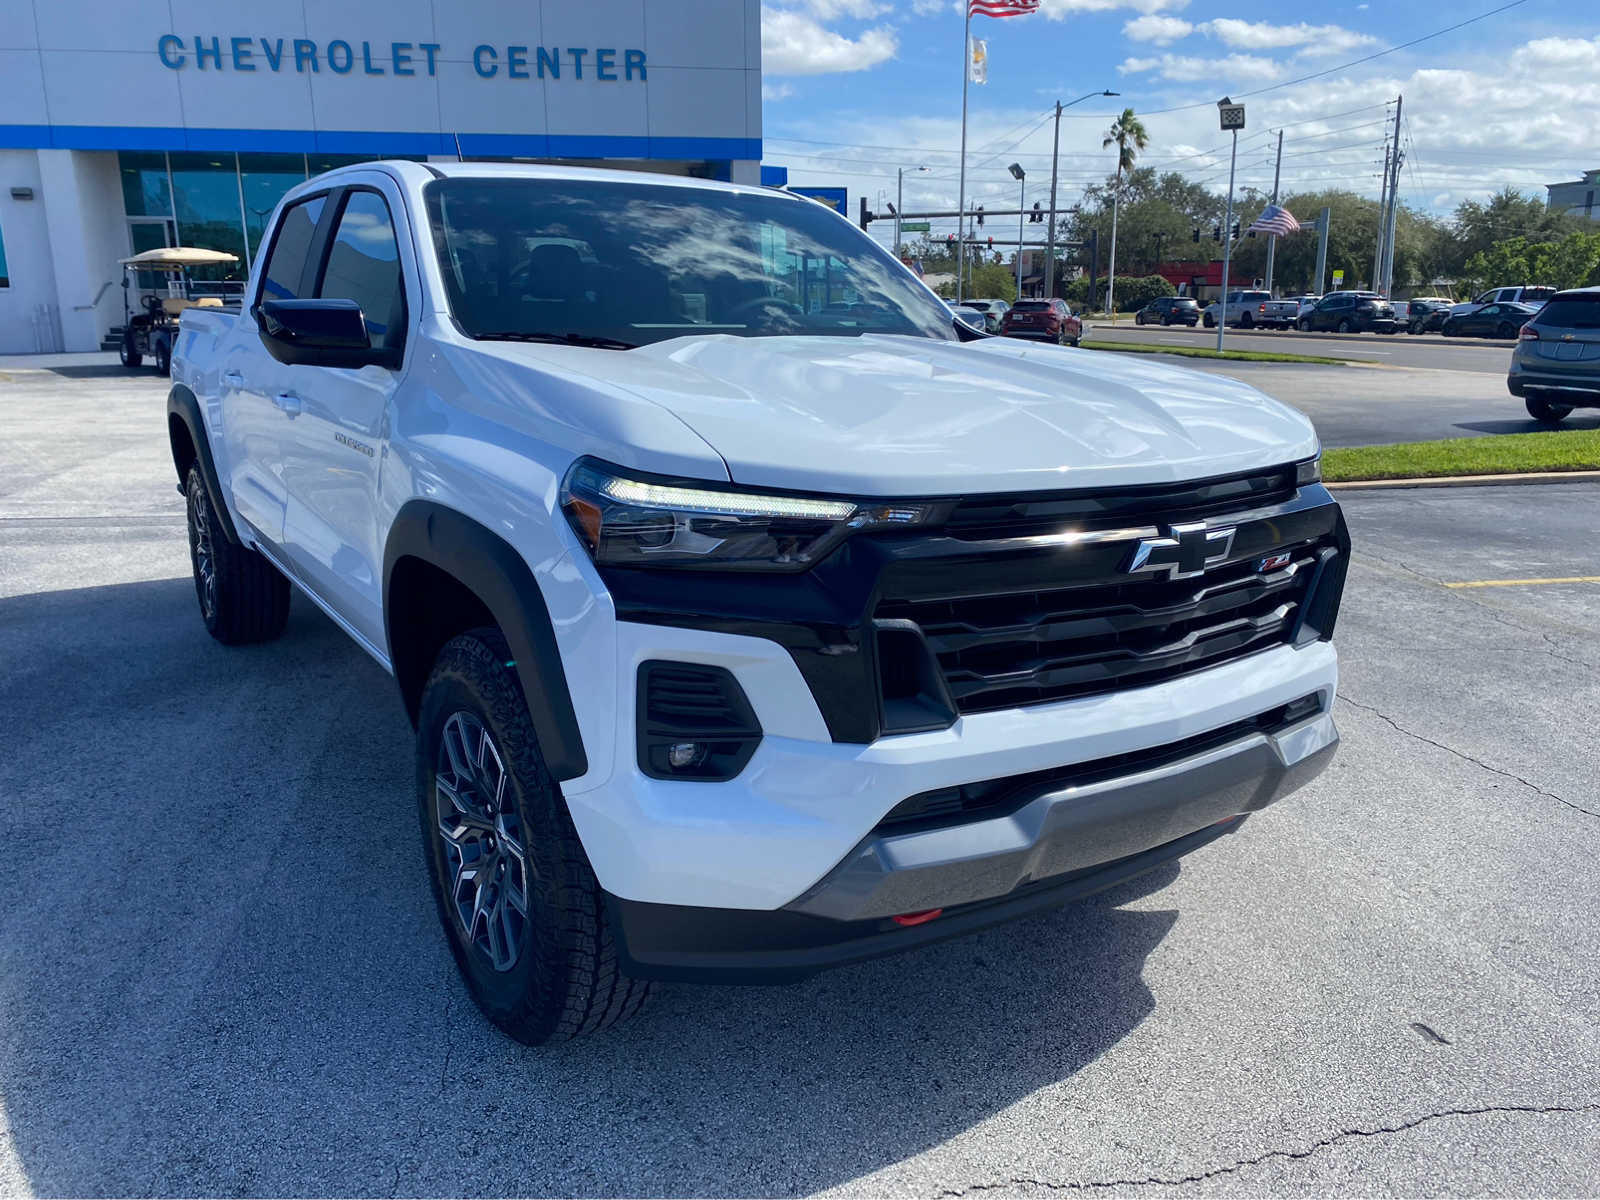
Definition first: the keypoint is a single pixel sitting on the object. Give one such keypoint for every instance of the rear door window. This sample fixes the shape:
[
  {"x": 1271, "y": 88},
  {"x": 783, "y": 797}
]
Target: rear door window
[
  {"x": 364, "y": 266},
  {"x": 286, "y": 262}
]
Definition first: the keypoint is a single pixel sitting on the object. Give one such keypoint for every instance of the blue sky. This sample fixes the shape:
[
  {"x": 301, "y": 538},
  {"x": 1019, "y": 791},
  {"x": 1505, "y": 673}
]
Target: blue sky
[{"x": 857, "y": 88}]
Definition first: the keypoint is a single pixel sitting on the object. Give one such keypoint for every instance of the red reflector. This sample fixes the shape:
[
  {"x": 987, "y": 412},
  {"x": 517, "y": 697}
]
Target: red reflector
[{"x": 917, "y": 918}]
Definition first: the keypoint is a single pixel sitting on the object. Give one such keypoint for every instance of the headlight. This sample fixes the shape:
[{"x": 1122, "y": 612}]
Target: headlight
[
  {"x": 628, "y": 520},
  {"x": 1308, "y": 472}
]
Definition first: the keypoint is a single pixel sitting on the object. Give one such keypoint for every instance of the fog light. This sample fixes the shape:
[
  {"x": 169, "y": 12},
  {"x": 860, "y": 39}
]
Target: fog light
[{"x": 685, "y": 754}]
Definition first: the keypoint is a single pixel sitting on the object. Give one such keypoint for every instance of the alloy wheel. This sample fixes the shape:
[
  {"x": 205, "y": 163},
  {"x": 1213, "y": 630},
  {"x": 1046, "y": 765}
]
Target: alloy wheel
[
  {"x": 481, "y": 833},
  {"x": 202, "y": 548}
]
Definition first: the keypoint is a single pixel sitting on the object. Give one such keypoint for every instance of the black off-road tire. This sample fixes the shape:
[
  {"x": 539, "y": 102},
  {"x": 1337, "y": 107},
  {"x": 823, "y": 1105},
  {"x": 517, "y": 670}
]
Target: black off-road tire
[
  {"x": 566, "y": 979},
  {"x": 246, "y": 599},
  {"x": 130, "y": 357},
  {"x": 164, "y": 358},
  {"x": 1543, "y": 411}
]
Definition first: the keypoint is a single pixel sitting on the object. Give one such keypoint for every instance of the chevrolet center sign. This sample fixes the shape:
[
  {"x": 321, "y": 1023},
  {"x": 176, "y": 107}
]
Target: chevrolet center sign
[{"x": 341, "y": 57}]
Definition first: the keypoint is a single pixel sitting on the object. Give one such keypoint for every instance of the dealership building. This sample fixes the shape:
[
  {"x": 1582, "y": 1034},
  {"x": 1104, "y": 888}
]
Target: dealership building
[{"x": 125, "y": 127}]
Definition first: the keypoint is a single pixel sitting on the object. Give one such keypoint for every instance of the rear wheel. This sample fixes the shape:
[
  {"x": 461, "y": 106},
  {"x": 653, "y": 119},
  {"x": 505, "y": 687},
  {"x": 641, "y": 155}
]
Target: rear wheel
[
  {"x": 1543, "y": 411},
  {"x": 1416, "y": 327},
  {"x": 518, "y": 899},
  {"x": 128, "y": 352},
  {"x": 1211, "y": 322},
  {"x": 1246, "y": 321},
  {"x": 1505, "y": 330},
  {"x": 163, "y": 357},
  {"x": 1165, "y": 321},
  {"x": 1344, "y": 326},
  {"x": 1303, "y": 325},
  {"x": 242, "y": 596}
]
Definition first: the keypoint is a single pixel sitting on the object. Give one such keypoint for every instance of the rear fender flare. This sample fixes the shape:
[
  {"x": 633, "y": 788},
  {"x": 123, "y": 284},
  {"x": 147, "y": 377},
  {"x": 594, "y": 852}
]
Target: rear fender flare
[{"x": 492, "y": 570}]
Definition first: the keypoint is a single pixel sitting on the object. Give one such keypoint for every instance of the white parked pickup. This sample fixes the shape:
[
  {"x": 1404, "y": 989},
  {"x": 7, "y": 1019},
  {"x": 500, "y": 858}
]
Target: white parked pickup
[{"x": 753, "y": 614}]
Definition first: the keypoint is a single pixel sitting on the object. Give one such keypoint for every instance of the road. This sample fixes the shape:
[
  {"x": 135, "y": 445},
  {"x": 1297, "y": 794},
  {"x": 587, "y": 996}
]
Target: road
[
  {"x": 1427, "y": 350},
  {"x": 220, "y": 970}
]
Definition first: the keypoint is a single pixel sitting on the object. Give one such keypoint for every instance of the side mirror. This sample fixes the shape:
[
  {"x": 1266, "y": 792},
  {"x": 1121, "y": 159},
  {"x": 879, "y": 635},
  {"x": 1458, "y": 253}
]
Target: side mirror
[{"x": 320, "y": 333}]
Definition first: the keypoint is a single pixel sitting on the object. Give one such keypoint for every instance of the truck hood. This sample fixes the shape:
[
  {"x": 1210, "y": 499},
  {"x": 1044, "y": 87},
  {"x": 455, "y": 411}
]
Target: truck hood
[{"x": 902, "y": 416}]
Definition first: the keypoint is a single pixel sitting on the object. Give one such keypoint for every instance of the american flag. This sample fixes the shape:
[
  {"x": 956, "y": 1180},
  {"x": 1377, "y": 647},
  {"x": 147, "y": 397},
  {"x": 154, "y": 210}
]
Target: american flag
[
  {"x": 1001, "y": 8},
  {"x": 1273, "y": 219}
]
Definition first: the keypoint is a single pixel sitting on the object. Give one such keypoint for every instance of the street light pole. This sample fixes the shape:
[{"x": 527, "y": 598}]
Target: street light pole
[
  {"x": 1231, "y": 116},
  {"x": 900, "y": 203},
  {"x": 1055, "y": 162},
  {"x": 1021, "y": 177}
]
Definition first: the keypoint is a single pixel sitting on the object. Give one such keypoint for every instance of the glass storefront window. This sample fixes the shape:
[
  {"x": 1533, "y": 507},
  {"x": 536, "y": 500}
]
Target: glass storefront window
[
  {"x": 265, "y": 178},
  {"x": 205, "y": 188},
  {"x": 144, "y": 184}
]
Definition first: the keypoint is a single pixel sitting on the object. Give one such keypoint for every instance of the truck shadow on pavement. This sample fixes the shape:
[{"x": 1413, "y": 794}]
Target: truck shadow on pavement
[{"x": 222, "y": 972}]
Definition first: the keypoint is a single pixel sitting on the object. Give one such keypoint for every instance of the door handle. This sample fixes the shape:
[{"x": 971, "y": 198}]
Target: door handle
[
  {"x": 289, "y": 402},
  {"x": 233, "y": 379}
]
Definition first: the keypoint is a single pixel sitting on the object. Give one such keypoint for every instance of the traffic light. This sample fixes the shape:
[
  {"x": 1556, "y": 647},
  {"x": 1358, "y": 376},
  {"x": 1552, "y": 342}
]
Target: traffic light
[
  {"x": 1216, "y": 233},
  {"x": 1197, "y": 233},
  {"x": 980, "y": 216},
  {"x": 1235, "y": 234},
  {"x": 991, "y": 243},
  {"x": 1037, "y": 215}
]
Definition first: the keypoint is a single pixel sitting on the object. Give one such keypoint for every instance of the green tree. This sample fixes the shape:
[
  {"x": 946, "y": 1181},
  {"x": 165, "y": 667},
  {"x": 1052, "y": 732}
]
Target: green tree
[{"x": 1129, "y": 136}]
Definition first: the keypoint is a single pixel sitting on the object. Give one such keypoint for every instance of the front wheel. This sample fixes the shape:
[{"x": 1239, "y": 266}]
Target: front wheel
[
  {"x": 242, "y": 596},
  {"x": 519, "y": 902},
  {"x": 1544, "y": 412},
  {"x": 1246, "y": 321},
  {"x": 1303, "y": 325},
  {"x": 1505, "y": 330},
  {"x": 164, "y": 358},
  {"x": 1344, "y": 326},
  {"x": 129, "y": 352},
  {"x": 1416, "y": 327},
  {"x": 1211, "y": 322}
]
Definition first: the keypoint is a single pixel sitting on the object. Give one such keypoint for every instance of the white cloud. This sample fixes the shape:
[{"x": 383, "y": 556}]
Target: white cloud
[
  {"x": 1060, "y": 10},
  {"x": 776, "y": 91},
  {"x": 832, "y": 10},
  {"x": 793, "y": 43},
  {"x": 928, "y": 8},
  {"x": 1162, "y": 31},
  {"x": 1185, "y": 68},
  {"x": 1263, "y": 35}
]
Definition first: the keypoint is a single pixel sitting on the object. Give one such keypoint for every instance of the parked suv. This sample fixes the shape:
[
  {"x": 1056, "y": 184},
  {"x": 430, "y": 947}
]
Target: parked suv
[
  {"x": 1425, "y": 314},
  {"x": 753, "y": 614},
  {"x": 1169, "y": 310},
  {"x": 1048, "y": 319},
  {"x": 1556, "y": 365},
  {"x": 993, "y": 311},
  {"x": 1350, "y": 312}
]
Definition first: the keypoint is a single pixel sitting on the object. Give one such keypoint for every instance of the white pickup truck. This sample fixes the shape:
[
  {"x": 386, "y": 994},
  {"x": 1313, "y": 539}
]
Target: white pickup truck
[
  {"x": 1243, "y": 309},
  {"x": 753, "y": 615}
]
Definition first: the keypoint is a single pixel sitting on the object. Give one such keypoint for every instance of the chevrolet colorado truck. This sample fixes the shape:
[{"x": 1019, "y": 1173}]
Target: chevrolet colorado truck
[{"x": 753, "y": 615}]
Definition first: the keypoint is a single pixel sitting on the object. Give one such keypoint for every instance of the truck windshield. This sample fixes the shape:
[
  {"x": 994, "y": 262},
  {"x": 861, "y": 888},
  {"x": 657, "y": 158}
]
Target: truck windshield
[{"x": 621, "y": 264}]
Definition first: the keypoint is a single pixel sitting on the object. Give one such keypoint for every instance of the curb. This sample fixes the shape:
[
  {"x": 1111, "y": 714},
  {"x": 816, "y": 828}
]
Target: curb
[{"x": 1519, "y": 479}]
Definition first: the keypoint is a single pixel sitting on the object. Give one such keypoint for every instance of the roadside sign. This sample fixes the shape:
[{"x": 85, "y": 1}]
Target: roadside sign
[
  {"x": 1232, "y": 116},
  {"x": 1338, "y": 280},
  {"x": 834, "y": 197},
  {"x": 915, "y": 227}
]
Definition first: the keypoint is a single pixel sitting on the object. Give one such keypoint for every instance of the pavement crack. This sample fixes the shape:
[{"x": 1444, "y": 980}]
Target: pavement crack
[
  {"x": 1316, "y": 1147},
  {"x": 1477, "y": 762}
]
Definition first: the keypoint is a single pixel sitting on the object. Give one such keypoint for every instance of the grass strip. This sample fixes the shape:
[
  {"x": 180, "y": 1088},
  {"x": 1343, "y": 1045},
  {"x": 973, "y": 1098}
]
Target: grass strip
[
  {"x": 1201, "y": 352},
  {"x": 1501, "y": 454}
]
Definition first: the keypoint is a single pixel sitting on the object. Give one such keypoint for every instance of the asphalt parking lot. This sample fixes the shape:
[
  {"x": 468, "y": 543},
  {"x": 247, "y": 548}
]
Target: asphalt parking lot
[{"x": 220, "y": 971}]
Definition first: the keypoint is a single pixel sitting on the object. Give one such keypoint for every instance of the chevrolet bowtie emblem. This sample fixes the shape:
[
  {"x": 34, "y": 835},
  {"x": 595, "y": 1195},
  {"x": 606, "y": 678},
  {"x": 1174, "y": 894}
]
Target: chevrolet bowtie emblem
[{"x": 1186, "y": 551}]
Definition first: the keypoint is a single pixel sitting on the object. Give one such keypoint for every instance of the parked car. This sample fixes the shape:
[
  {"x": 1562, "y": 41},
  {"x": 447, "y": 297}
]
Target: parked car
[
  {"x": 1424, "y": 314},
  {"x": 1350, "y": 312},
  {"x": 1556, "y": 365},
  {"x": 993, "y": 312},
  {"x": 738, "y": 644},
  {"x": 1169, "y": 310},
  {"x": 1244, "y": 309},
  {"x": 974, "y": 317},
  {"x": 1050, "y": 319},
  {"x": 1501, "y": 320},
  {"x": 1282, "y": 314},
  {"x": 1524, "y": 294}
]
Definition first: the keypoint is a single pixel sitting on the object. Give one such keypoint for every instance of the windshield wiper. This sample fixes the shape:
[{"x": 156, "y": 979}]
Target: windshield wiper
[{"x": 558, "y": 339}]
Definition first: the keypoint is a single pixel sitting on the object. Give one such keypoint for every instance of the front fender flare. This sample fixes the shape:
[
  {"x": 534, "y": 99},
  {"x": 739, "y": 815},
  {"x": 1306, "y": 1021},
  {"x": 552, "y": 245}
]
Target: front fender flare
[
  {"x": 182, "y": 405},
  {"x": 487, "y": 565}
]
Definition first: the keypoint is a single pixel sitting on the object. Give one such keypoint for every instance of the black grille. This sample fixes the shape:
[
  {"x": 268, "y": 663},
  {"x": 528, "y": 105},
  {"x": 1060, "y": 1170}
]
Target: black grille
[
  {"x": 1001, "y": 651},
  {"x": 990, "y": 517}
]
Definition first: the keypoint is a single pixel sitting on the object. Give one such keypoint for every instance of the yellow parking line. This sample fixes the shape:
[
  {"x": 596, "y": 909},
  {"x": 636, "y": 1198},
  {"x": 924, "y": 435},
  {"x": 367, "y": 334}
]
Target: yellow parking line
[{"x": 1524, "y": 582}]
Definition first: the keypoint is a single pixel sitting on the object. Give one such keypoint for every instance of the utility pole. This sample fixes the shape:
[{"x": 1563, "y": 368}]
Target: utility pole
[
  {"x": 961, "y": 194},
  {"x": 1050, "y": 251},
  {"x": 1272, "y": 238},
  {"x": 1021, "y": 177},
  {"x": 1397, "y": 157},
  {"x": 1383, "y": 216},
  {"x": 1232, "y": 118},
  {"x": 1323, "y": 222}
]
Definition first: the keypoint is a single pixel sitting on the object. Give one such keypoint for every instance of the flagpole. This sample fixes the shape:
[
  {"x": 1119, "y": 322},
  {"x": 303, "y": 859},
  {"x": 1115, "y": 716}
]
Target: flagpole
[{"x": 961, "y": 201}]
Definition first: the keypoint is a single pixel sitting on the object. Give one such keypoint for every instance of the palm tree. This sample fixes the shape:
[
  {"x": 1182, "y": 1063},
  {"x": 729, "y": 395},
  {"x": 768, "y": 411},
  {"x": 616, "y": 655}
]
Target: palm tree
[{"x": 1128, "y": 135}]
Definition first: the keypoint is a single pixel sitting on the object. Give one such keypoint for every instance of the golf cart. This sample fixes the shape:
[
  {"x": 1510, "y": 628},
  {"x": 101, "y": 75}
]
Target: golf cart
[{"x": 152, "y": 330}]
